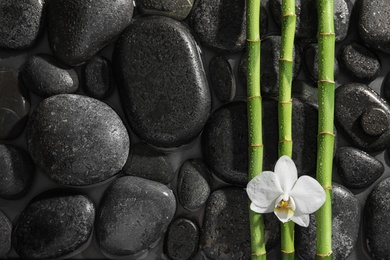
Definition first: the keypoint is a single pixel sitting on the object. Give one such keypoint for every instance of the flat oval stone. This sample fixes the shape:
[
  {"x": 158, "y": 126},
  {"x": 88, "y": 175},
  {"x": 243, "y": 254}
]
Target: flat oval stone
[
  {"x": 149, "y": 163},
  {"x": 14, "y": 105},
  {"x": 133, "y": 214},
  {"x": 351, "y": 102},
  {"x": 225, "y": 231},
  {"x": 222, "y": 78},
  {"x": 53, "y": 225},
  {"x": 193, "y": 184},
  {"x": 77, "y": 140},
  {"x": 178, "y": 9},
  {"x": 5, "y": 234},
  {"x": 374, "y": 24},
  {"x": 376, "y": 220},
  {"x": 345, "y": 227},
  {"x": 357, "y": 168},
  {"x": 163, "y": 86},
  {"x": 44, "y": 76},
  {"x": 360, "y": 62},
  {"x": 98, "y": 77},
  {"x": 78, "y": 29},
  {"x": 219, "y": 24},
  {"x": 21, "y": 22},
  {"x": 182, "y": 239},
  {"x": 17, "y": 172}
]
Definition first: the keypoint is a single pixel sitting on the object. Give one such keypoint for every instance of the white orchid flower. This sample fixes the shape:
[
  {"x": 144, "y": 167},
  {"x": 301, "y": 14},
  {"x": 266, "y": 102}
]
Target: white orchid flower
[{"x": 285, "y": 195}]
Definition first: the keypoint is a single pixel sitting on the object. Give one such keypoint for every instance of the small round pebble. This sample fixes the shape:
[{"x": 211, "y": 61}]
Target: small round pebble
[
  {"x": 98, "y": 77},
  {"x": 374, "y": 121},
  {"x": 44, "y": 76},
  {"x": 5, "y": 234},
  {"x": 17, "y": 172},
  {"x": 222, "y": 78},
  {"x": 182, "y": 239}
]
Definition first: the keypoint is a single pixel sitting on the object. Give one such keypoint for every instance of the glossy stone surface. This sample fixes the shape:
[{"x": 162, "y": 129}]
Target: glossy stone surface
[
  {"x": 77, "y": 140},
  {"x": 149, "y": 163},
  {"x": 222, "y": 78},
  {"x": 17, "y": 172},
  {"x": 193, "y": 184},
  {"x": 98, "y": 77},
  {"x": 14, "y": 105},
  {"x": 53, "y": 225},
  {"x": 181, "y": 239},
  {"x": 21, "y": 22},
  {"x": 5, "y": 234},
  {"x": 44, "y": 76},
  {"x": 351, "y": 102},
  {"x": 178, "y": 9},
  {"x": 168, "y": 74},
  {"x": 78, "y": 29},
  {"x": 306, "y": 91},
  {"x": 133, "y": 214}
]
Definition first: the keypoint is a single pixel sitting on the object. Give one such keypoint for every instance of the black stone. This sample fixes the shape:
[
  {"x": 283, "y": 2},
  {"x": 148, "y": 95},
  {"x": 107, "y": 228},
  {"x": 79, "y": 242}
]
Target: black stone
[
  {"x": 133, "y": 214},
  {"x": 376, "y": 220},
  {"x": 17, "y": 172},
  {"x": 44, "y": 76},
  {"x": 53, "y": 225},
  {"x": 342, "y": 15},
  {"x": 148, "y": 163},
  {"x": 163, "y": 86},
  {"x": 21, "y": 22},
  {"x": 178, "y": 9},
  {"x": 182, "y": 239},
  {"x": 374, "y": 121},
  {"x": 269, "y": 74},
  {"x": 310, "y": 57},
  {"x": 357, "y": 169},
  {"x": 374, "y": 24},
  {"x": 79, "y": 29},
  {"x": 98, "y": 77},
  {"x": 360, "y": 62},
  {"x": 220, "y": 24},
  {"x": 225, "y": 232},
  {"x": 386, "y": 87},
  {"x": 263, "y": 20},
  {"x": 14, "y": 105},
  {"x": 77, "y": 140},
  {"x": 345, "y": 227},
  {"x": 222, "y": 78},
  {"x": 5, "y": 234},
  {"x": 192, "y": 185},
  {"x": 352, "y": 101},
  {"x": 306, "y": 91}
]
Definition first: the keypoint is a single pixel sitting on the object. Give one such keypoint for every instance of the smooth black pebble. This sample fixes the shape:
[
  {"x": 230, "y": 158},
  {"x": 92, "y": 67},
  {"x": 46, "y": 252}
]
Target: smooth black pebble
[{"x": 98, "y": 77}]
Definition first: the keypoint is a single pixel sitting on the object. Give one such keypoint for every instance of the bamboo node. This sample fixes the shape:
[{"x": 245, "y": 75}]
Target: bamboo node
[
  {"x": 286, "y": 102},
  {"x": 326, "y": 133},
  {"x": 287, "y": 252},
  {"x": 326, "y": 81},
  {"x": 289, "y": 15},
  {"x": 255, "y": 145},
  {"x": 255, "y": 40},
  {"x": 327, "y": 187},
  {"x": 251, "y": 97},
  {"x": 286, "y": 60},
  {"x": 259, "y": 254},
  {"x": 325, "y": 255},
  {"x": 326, "y": 33},
  {"x": 286, "y": 141}
]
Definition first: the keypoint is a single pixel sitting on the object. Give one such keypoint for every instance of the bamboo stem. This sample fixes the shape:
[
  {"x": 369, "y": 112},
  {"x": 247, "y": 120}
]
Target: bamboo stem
[
  {"x": 254, "y": 108},
  {"x": 326, "y": 85}
]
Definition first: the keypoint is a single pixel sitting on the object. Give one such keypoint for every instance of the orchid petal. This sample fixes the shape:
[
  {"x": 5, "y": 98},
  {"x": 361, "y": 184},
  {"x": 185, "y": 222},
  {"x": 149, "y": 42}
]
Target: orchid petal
[
  {"x": 308, "y": 195},
  {"x": 302, "y": 220},
  {"x": 263, "y": 191},
  {"x": 286, "y": 170},
  {"x": 284, "y": 214}
]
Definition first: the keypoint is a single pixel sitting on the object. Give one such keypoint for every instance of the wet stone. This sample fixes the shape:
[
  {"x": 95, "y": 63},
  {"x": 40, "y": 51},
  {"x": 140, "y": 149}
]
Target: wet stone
[
  {"x": 374, "y": 24},
  {"x": 345, "y": 227},
  {"x": 53, "y": 225},
  {"x": 44, "y": 76},
  {"x": 98, "y": 77},
  {"x": 98, "y": 23},
  {"x": 178, "y": 9},
  {"x": 386, "y": 86},
  {"x": 181, "y": 239},
  {"x": 360, "y": 62},
  {"x": 220, "y": 24},
  {"x": 306, "y": 91},
  {"x": 193, "y": 187},
  {"x": 134, "y": 213},
  {"x": 149, "y": 163},
  {"x": 374, "y": 121},
  {"x": 225, "y": 232},
  {"x": 222, "y": 78},
  {"x": 14, "y": 105},
  {"x": 5, "y": 234},
  {"x": 17, "y": 172},
  {"x": 357, "y": 169},
  {"x": 352, "y": 103},
  {"x": 21, "y": 22},
  {"x": 169, "y": 74},
  {"x": 376, "y": 216},
  {"x": 77, "y": 140}
]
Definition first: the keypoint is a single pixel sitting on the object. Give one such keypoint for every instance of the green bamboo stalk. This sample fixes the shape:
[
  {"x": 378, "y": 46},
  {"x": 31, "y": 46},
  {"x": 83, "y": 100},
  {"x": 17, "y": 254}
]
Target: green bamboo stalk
[
  {"x": 326, "y": 85},
  {"x": 254, "y": 105},
  {"x": 285, "y": 108}
]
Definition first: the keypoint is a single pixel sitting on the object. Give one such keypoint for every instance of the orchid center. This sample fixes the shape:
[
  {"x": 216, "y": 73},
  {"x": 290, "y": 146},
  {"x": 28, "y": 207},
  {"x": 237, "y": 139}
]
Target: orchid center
[{"x": 284, "y": 208}]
